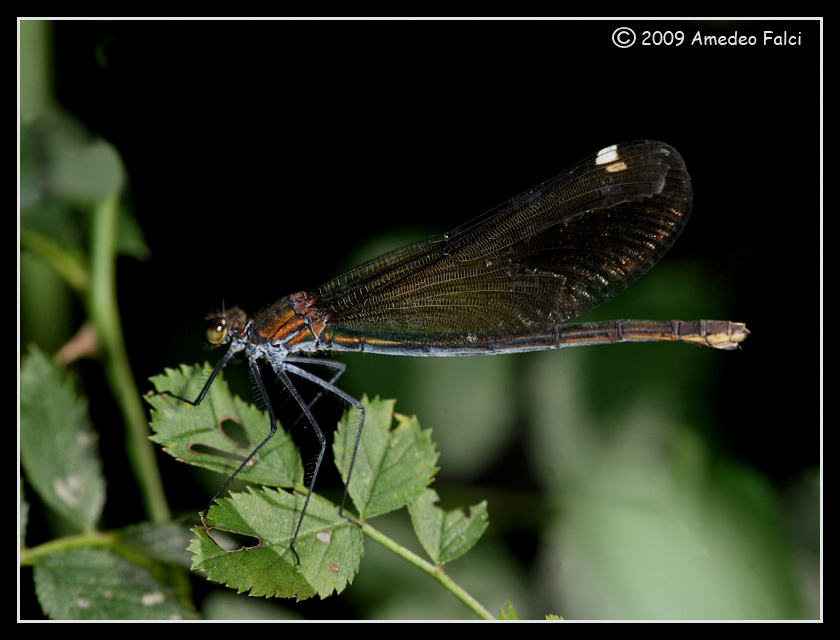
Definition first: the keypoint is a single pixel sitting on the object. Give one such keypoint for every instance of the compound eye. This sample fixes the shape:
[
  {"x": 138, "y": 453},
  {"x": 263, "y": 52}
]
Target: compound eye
[{"x": 217, "y": 330}]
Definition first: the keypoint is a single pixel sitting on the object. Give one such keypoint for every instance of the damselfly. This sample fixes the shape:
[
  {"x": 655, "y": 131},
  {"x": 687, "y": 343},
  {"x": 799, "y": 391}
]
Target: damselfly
[{"x": 505, "y": 282}]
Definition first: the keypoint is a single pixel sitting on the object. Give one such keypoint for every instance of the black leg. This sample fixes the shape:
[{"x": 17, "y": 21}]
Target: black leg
[
  {"x": 328, "y": 386},
  {"x": 321, "y": 440}
]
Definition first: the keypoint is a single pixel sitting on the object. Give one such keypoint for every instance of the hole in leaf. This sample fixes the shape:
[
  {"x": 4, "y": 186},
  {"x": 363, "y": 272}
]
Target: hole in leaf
[
  {"x": 205, "y": 450},
  {"x": 232, "y": 541},
  {"x": 235, "y": 432}
]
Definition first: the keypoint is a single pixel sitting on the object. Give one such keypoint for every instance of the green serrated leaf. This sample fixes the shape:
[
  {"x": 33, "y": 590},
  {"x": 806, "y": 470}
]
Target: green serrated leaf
[
  {"x": 392, "y": 469},
  {"x": 392, "y": 466},
  {"x": 330, "y": 547},
  {"x": 446, "y": 535},
  {"x": 97, "y": 584},
  {"x": 201, "y": 435},
  {"x": 58, "y": 443}
]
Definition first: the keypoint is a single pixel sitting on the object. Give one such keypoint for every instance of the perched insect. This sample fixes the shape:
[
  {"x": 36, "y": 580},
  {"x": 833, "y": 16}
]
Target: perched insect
[{"x": 505, "y": 282}]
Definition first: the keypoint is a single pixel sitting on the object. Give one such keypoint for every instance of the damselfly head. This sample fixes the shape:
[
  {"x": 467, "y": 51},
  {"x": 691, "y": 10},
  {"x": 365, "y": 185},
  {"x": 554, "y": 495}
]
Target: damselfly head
[{"x": 221, "y": 323}]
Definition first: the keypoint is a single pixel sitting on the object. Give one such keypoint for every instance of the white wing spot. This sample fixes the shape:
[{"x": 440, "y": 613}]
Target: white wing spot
[{"x": 607, "y": 154}]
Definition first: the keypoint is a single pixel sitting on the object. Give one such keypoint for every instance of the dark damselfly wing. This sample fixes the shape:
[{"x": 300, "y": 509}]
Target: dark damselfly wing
[{"x": 549, "y": 255}]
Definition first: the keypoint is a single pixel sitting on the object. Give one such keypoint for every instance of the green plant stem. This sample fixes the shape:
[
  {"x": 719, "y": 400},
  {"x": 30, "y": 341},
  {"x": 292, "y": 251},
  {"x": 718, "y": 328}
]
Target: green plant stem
[
  {"x": 70, "y": 267},
  {"x": 435, "y": 572},
  {"x": 87, "y": 540},
  {"x": 103, "y": 310},
  {"x": 110, "y": 540}
]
